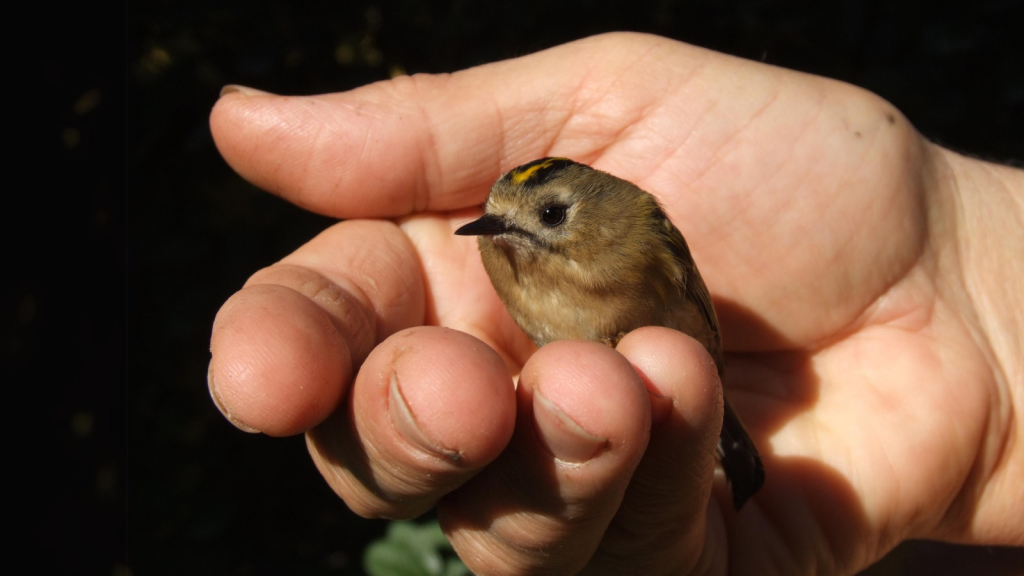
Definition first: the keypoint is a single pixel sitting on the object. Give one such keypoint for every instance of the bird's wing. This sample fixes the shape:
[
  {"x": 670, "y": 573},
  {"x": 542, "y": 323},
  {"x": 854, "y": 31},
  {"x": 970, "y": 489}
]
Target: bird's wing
[
  {"x": 689, "y": 279},
  {"x": 736, "y": 450}
]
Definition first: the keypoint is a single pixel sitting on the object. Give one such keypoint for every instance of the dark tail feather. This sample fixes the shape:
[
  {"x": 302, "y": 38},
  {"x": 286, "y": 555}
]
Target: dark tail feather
[{"x": 739, "y": 458}]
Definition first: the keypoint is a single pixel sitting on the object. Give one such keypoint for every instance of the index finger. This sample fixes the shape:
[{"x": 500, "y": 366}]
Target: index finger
[{"x": 285, "y": 346}]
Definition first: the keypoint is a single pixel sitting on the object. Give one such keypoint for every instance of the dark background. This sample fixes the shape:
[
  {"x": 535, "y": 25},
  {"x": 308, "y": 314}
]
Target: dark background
[{"x": 174, "y": 489}]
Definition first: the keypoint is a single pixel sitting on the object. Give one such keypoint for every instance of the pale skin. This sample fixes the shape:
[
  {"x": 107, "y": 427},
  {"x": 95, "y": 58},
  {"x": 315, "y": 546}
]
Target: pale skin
[{"x": 867, "y": 283}]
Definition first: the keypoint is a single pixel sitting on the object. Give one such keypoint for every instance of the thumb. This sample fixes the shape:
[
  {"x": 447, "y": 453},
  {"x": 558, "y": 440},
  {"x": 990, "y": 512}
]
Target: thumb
[
  {"x": 383, "y": 150},
  {"x": 437, "y": 142}
]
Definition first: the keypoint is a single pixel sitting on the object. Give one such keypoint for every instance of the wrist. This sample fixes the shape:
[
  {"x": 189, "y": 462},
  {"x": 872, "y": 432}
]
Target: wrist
[{"x": 977, "y": 223}]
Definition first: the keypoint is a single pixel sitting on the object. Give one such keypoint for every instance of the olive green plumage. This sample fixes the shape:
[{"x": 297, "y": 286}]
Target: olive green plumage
[{"x": 576, "y": 253}]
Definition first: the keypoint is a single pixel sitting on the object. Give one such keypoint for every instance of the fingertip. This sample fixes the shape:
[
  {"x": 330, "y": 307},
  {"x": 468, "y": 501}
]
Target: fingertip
[
  {"x": 279, "y": 365},
  {"x": 430, "y": 407},
  {"x": 676, "y": 367},
  {"x": 586, "y": 395},
  {"x": 225, "y": 411},
  {"x": 671, "y": 487},
  {"x": 583, "y": 428},
  {"x": 446, "y": 392},
  {"x": 249, "y": 127}
]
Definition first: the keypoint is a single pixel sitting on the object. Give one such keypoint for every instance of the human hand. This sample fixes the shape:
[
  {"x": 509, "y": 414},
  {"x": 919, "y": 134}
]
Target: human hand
[{"x": 862, "y": 351}]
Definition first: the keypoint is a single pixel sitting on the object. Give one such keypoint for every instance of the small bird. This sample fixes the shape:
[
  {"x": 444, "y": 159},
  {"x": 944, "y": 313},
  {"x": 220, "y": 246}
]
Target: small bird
[{"x": 577, "y": 253}]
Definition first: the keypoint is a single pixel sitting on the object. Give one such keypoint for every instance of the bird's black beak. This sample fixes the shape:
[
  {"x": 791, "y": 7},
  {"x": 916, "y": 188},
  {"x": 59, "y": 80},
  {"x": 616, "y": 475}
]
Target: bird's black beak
[{"x": 486, "y": 225}]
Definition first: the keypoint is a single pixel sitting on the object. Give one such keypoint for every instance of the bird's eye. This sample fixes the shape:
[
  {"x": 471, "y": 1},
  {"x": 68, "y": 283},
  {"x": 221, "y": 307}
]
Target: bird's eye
[{"x": 553, "y": 215}]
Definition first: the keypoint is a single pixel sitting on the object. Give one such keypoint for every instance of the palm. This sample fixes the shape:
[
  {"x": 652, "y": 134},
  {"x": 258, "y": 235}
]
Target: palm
[
  {"x": 807, "y": 329},
  {"x": 803, "y": 204}
]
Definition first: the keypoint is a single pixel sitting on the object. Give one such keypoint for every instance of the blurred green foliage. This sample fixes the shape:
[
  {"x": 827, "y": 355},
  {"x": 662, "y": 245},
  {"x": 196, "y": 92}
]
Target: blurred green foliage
[{"x": 410, "y": 549}]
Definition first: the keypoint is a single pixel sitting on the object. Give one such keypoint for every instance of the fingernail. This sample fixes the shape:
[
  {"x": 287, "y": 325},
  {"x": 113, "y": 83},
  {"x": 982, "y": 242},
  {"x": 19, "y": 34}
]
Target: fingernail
[
  {"x": 247, "y": 91},
  {"x": 661, "y": 405},
  {"x": 212, "y": 385},
  {"x": 405, "y": 421},
  {"x": 564, "y": 438}
]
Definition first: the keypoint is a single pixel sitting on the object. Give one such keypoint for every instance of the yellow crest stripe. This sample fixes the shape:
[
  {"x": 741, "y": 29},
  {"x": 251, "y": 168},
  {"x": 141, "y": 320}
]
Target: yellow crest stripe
[{"x": 518, "y": 177}]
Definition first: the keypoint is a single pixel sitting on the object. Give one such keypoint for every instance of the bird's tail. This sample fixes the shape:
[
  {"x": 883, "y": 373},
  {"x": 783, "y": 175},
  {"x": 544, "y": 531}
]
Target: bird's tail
[{"x": 739, "y": 458}]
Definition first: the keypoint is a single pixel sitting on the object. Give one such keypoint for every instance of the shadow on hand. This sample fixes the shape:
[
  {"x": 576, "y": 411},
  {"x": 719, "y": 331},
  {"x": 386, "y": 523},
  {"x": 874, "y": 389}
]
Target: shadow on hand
[{"x": 800, "y": 494}]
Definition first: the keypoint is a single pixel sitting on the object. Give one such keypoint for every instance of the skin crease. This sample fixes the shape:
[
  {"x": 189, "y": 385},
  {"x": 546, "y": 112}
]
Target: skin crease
[{"x": 865, "y": 293}]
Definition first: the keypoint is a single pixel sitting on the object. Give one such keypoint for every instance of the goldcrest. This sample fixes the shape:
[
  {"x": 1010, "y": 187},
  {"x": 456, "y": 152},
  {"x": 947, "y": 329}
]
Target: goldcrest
[{"x": 576, "y": 253}]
